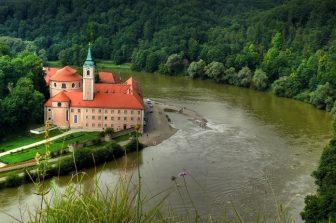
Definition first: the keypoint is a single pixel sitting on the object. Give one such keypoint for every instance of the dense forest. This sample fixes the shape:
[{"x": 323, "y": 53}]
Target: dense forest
[
  {"x": 22, "y": 89},
  {"x": 285, "y": 46}
]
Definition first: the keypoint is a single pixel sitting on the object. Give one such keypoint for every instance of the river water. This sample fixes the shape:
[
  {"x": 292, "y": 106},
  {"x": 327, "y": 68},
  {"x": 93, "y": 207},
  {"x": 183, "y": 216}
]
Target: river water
[{"x": 260, "y": 150}]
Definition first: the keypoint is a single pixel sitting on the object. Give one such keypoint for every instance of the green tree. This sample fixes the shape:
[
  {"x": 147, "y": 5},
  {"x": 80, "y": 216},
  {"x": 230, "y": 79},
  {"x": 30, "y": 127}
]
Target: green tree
[
  {"x": 244, "y": 77},
  {"x": 215, "y": 70},
  {"x": 22, "y": 100},
  {"x": 321, "y": 206},
  {"x": 323, "y": 96},
  {"x": 174, "y": 64},
  {"x": 259, "y": 80},
  {"x": 196, "y": 69}
]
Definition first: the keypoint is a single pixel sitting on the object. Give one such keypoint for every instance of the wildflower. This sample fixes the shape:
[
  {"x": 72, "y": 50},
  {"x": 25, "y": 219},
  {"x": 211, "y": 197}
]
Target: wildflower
[
  {"x": 182, "y": 174},
  {"x": 37, "y": 158}
]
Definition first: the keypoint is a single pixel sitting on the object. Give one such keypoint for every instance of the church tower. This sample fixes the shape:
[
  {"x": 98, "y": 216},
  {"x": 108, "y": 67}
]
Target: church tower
[{"x": 88, "y": 77}]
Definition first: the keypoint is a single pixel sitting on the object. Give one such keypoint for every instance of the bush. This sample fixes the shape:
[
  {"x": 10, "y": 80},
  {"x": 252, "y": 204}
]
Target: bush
[
  {"x": 322, "y": 96},
  {"x": 196, "y": 69},
  {"x": 243, "y": 78},
  {"x": 14, "y": 181},
  {"x": 215, "y": 70},
  {"x": 259, "y": 80},
  {"x": 303, "y": 96},
  {"x": 132, "y": 146}
]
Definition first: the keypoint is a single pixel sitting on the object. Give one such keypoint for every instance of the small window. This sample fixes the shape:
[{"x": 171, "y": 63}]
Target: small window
[
  {"x": 87, "y": 73},
  {"x": 105, "y": 111},
  {"x": 112, "y": 125},
  {"x": 99, "y": 117},
  {"x": 93, "y": 117},
  {"x": 105, "y": 117},
  {"x": 93, "y": 125},
  {"x": 125, "y": 119},
  {"x": 132, "y": 112},
  {"x": 79, "y": 110},
  {"x": 73, "y": 85},
  {"x": 138, "y": 112},
  {"x": 75, "y": 119},
  {"x": 63, "y": 85},
  {"x": 125, "y": 111},
  {"x": 67, "y": 115},
  {"x": 87, "y": 125},
  {"x": 59, "y": 104},
  {"x": 99, "y": 125},
  {"x": 87, "y": 110},
  {"x": 118, "y": 118},
  {"x": 112, "y": 111},
  {"x": 138, "y": 118},
  {"x": 49, "y": 109},
  {"x": 55, "y": 85},
  {"x": 99, "y": 110},
  {"x": 78, "y": 84},
  {"x": 93, "y": 111},
  {"x": 105, "y": 125},
  {"x": 87, "y": 117},
  {"x": 72, "y": 110},
  {"x": 112, "y": 118},
  {"x": 118, "y": 111},
  {"x": 49, "y": 118},
  {"x": 131, "y": 118}
]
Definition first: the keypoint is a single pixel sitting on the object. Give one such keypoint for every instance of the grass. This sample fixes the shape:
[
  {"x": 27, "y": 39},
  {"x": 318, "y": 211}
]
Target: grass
[
  {"x": 101, "y": 64},
  {"x": 16, "y": 141},
  {"x": 55, "y": 63},
  {"x": 55, "y": 145},
  {"x": 123, "y": 137},
  {"x": 108, "y": 65}
]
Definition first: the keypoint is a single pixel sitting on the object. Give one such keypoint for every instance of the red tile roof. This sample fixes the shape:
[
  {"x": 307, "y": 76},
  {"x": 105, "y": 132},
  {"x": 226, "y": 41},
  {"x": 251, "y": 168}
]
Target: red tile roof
[
  {"x": 50, "y": 71},
  {"x": 112, "y": 88},
  {"x": 101, "y": 100},
  {"x": 60, "y": 97},
  {"x": 108, "y": 77},
  {"x": 66, "y": 74}
]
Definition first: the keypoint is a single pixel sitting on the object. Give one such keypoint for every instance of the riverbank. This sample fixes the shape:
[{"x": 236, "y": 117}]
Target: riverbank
[{"x": 157, "y": 128}]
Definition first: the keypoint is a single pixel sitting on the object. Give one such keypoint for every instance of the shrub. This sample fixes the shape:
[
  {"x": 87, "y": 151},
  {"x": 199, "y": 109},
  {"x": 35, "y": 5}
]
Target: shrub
[
  {"x": 13, "y": 181},
  {"x": 259, "y": 80},
  {"x": 196, "y": 69},
  {"x": 322, "y": 96},
  {"x": 303, "y": 96},
  {"x": 132, "y": 146}
]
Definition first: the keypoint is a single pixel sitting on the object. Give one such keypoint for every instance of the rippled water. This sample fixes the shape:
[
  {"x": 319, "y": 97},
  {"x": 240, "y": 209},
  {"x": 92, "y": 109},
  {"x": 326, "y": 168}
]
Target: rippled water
[{"x": 259, "y": 149}]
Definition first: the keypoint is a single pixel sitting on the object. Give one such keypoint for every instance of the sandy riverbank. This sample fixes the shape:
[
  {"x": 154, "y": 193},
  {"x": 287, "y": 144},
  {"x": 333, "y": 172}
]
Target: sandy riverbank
[{"x": 158, "y": 126}]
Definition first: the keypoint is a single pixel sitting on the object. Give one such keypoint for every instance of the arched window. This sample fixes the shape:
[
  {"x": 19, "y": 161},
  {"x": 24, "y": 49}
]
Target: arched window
[
  {"x": 63, "y": 85},
  {"x": 55, "y": 84},
  {"x": 73, "y": 85},
  {"x": 87, "y": 73},
  {"x": 59, "y": 104}
]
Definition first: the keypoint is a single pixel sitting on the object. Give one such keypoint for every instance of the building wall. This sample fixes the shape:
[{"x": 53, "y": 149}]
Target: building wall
[
  {"x": 56, "y": 87},
  {"x": 94, "y": 118},
  {"x": 88, "y": 88},
  {"x": 60, "y": 114},
  {"x": 100, "y": 118}
]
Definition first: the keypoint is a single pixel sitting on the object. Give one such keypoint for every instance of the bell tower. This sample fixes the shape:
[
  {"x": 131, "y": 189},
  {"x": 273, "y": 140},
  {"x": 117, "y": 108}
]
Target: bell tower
[{"x": 88, "y": 77}]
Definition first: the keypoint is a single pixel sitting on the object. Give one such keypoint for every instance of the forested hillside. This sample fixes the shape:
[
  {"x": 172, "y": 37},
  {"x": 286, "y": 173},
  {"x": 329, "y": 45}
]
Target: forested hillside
[{"x": 286, "y": 46}]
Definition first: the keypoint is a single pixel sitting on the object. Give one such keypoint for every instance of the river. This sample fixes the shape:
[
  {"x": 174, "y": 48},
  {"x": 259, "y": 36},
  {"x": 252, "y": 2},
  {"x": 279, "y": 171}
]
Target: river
[{"x": 259, "y": 150}]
